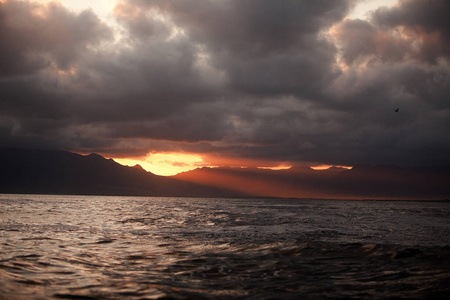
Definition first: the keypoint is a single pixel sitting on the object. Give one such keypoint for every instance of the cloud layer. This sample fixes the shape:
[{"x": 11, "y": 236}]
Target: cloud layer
[{"x": 270, "y": 81}]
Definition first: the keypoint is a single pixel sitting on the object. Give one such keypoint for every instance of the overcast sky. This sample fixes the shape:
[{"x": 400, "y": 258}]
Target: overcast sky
[{"x": 232, "y": 81}]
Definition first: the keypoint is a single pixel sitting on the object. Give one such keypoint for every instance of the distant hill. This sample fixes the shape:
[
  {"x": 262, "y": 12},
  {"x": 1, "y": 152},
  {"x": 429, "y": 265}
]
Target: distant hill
[
  {"x": 360, "y": 182},
  {"x": 61, "y": 172}
]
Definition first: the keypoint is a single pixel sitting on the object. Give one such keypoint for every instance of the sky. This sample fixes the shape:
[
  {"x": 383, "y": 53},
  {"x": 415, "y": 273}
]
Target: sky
[{"x": 176, "y": 84}]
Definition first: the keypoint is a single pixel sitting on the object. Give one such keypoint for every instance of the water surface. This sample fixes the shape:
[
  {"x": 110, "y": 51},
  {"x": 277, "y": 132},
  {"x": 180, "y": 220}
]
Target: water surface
[{"x": 89, "y": 247}]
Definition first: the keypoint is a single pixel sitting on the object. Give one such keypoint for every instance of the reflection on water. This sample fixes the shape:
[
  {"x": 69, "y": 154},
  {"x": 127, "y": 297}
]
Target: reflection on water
[{"x": 86, "y": 247}]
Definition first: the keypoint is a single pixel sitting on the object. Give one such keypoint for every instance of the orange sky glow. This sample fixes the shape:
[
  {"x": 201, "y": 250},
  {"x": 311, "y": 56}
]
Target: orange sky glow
[
  {"x": 165, "y": 164},
  {"x": 172, "y": 163},
  {"x": 325, "y": 167}
]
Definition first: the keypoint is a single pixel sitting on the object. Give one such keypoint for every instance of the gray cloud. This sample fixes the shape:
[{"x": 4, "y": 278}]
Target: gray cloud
[
  {"x": 290, "y": 81},
  {"x": 426, "y": 21},
  {"x": 412, "y": 30},
  {"x": 264, "y": 47},
  {"x": 34, "y": 35}
]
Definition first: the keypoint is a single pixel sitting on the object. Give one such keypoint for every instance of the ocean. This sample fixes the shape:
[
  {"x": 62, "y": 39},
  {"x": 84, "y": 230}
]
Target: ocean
[{"x": 91, "y": 247}]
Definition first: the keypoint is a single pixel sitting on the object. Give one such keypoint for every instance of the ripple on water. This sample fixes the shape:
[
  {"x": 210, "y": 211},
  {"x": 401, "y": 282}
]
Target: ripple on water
[{"x": 152, "y": 248}]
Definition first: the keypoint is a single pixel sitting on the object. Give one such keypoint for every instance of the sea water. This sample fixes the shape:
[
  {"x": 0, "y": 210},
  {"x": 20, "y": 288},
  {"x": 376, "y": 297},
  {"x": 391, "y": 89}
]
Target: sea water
[{"x": 91, "y": 247}]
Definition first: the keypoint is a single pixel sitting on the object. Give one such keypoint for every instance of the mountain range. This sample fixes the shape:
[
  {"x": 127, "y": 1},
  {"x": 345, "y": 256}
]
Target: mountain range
[
  {"x": 62, "y": 172},
  {"x": 360, "y": 182}
]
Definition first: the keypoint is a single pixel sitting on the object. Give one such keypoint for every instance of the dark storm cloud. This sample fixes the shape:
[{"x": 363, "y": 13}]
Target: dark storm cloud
[
  {"x": 398, "y": 58},
  {"x": 265, "y": 47},
  {"x": 35, "y": 35},
  {"x": 36, "y": 38},
  {"x": 360, "y": 39},
  {"x": 414, "y": 29},
  {"x": 286, "y": 81},
  {"x": 424, "y": 20},
  {"x": 151, "y": 79}
]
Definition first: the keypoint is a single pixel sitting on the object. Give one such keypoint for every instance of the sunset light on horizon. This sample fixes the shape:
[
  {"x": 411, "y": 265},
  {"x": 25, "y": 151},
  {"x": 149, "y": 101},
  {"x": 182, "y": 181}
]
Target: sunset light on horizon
[
  {"x": 172, "y": 163},
  {"x": 165, "y": 164},
  {"x": 326, "y": 167}
]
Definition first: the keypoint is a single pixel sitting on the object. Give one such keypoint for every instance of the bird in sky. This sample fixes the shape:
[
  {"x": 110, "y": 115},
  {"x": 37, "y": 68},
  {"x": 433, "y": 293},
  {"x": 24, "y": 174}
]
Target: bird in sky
[{"x": 396, "y": 110}]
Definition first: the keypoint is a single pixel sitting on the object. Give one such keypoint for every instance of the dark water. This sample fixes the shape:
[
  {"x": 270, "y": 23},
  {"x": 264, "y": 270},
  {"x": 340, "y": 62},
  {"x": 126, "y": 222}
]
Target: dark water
[{"x": 77, "y": 247}]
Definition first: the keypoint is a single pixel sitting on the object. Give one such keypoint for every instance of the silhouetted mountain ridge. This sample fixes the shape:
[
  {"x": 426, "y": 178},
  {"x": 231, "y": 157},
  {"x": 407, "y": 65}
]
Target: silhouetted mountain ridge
[
  {"x": 360, "y": 182},
  {"x": 61, "y": 172}
]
